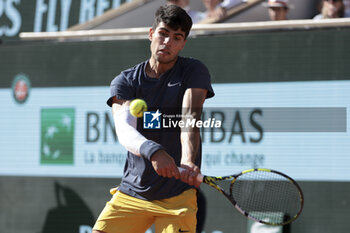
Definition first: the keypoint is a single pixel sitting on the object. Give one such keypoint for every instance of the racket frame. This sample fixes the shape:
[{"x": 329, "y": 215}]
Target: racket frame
[{"x": 210, "y": 180}]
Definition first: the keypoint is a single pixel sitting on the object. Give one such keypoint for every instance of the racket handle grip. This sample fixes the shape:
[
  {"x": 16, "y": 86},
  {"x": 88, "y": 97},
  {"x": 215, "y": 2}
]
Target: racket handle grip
[{"x": 199, "y": 177}]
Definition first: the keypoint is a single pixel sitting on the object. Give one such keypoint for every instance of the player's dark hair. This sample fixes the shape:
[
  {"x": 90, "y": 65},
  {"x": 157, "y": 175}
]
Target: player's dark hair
[{"x": 173, "y": 16}]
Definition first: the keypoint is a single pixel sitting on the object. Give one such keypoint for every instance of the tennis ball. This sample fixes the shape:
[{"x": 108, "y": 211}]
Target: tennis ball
[{"x": 137, "y": 107}]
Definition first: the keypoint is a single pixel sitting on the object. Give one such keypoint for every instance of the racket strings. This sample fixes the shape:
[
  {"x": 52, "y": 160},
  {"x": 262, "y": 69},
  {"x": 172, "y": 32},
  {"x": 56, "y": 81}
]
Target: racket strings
[{"x": 267, "y": 196}]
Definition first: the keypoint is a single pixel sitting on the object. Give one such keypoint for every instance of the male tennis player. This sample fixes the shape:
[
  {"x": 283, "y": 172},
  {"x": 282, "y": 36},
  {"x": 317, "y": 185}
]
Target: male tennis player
[{"x": 152, "y": 190}]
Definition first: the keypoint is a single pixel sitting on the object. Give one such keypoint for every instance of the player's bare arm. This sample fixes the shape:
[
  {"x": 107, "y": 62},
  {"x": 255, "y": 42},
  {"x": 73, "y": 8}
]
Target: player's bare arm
[
  {"x": 164, "y": 164},
  {"x": 190, "y": 137}
]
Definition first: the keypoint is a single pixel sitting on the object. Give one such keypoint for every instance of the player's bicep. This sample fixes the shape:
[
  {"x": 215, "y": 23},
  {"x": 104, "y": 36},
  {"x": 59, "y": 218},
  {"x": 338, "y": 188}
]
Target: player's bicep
[{"x": 193, "y": 101}]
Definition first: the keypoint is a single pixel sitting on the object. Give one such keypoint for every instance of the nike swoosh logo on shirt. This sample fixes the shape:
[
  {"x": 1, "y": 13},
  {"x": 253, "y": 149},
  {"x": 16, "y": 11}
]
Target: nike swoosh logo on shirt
[{"x": 173, "y": 84}]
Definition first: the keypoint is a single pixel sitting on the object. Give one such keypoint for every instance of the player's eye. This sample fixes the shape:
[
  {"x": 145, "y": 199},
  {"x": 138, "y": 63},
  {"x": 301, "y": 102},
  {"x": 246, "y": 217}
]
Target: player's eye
[{"x": 163, "y": 34}]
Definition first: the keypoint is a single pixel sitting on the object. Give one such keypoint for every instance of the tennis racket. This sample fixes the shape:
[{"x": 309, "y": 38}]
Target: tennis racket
[{"x": 263, "y": 195}]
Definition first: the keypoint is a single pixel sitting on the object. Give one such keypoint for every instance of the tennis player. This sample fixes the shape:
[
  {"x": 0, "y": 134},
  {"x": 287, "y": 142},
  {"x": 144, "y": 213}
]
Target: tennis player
[{"x": 152, "y": 190}]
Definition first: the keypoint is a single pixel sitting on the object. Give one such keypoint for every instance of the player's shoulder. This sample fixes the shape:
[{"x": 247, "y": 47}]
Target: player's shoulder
[
  {"x": 133, "y": 71},
  {"x": 192, "y": 65},
  {"x": 129, "y": 75},
  {"x": 190, "y": 61}
]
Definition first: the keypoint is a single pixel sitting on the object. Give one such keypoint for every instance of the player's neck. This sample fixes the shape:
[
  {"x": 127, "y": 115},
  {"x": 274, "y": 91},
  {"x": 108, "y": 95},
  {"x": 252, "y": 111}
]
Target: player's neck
[{"x": 154, "y": 68}]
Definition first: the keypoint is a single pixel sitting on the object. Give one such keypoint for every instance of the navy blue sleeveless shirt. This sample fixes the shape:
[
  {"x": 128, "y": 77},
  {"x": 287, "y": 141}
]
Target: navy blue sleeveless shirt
[{"x": 164, "y": 94}]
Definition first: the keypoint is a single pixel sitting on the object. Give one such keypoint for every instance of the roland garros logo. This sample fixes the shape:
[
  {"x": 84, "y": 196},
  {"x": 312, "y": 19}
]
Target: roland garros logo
[{"x": 21, "y": 88}]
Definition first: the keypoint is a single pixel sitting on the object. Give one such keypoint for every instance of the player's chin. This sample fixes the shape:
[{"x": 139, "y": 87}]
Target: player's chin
[{"x": 166, "y": 59}]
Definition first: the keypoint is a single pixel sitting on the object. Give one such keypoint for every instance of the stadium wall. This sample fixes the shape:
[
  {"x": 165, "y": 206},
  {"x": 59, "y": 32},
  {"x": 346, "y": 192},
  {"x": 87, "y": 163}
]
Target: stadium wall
[
  {"x": 59, "y": 181},
  {"x": 48, "y": 15}
]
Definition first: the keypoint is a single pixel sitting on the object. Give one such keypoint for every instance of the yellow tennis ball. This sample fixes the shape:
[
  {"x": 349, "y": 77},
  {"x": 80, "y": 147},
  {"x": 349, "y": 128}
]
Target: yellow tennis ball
[{"x": 137, "y": 107}]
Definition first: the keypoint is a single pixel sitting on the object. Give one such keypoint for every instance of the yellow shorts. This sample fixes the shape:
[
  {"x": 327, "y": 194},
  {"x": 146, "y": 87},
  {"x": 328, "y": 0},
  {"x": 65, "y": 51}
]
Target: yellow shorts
[{"x": 126, "y": 214}]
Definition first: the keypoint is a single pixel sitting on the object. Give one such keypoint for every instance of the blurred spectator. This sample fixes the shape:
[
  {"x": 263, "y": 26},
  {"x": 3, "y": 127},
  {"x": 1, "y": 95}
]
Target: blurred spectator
[
  {"x": 227, "y": 4},
  {"x": 196, "y": 16},
  {"x": 278, "y": 9},
  {"x": 216, "y": 9},
  {"x": 347, "y": 8},
  {"x": 331, "y": 9}
]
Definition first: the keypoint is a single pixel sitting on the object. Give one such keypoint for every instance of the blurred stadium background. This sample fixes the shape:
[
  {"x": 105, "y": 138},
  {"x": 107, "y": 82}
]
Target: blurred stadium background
[{"x": 59, "y": 155}]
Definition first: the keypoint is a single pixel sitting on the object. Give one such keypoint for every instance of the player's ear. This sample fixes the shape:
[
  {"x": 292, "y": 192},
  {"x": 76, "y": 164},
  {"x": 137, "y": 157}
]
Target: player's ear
[{"x": 150, "y": 34}]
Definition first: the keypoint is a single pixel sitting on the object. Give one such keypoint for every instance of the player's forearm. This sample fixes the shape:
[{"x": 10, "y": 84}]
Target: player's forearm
[
  {"x": 190, "y": 141},
  {"x": 190, "y": 137}
]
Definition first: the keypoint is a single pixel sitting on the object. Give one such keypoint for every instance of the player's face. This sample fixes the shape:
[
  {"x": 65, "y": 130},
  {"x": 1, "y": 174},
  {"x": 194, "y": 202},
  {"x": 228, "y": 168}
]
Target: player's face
[
  {"x": 278, "y": 13},
  {"x": 166, "y": 43}
]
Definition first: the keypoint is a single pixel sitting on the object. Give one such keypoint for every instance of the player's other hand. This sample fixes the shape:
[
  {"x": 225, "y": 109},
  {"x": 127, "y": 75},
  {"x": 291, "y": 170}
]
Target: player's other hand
[
  {"x": 190, "y": 173},
  {"x": 165, "y": 165}
]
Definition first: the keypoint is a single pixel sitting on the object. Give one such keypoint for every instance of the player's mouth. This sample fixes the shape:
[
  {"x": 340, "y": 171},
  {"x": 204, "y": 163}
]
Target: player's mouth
[{"x": 164, "y": 51}]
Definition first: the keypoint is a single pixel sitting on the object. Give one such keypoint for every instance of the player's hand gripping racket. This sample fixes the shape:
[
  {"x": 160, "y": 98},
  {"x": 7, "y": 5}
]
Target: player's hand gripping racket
[{"x": 264, "y": 195}]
